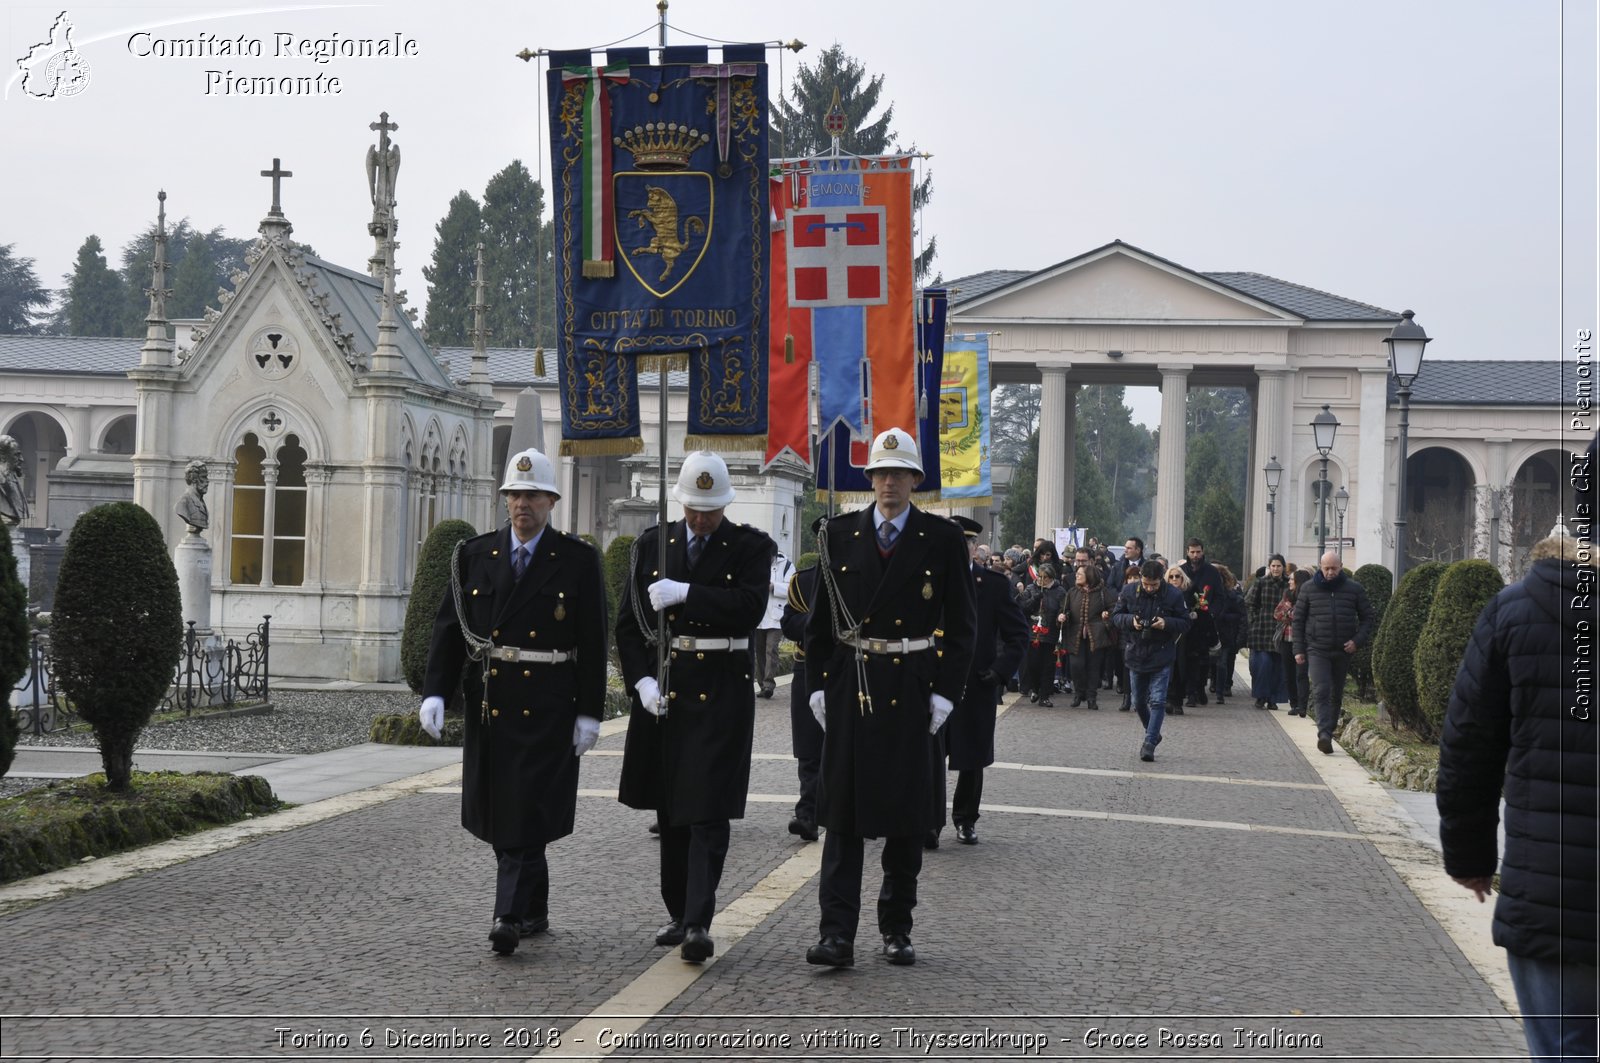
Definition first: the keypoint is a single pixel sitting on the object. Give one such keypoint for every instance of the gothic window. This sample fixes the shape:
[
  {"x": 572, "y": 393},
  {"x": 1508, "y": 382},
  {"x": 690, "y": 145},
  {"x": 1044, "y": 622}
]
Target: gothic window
[{"x": 269, "y": 514}]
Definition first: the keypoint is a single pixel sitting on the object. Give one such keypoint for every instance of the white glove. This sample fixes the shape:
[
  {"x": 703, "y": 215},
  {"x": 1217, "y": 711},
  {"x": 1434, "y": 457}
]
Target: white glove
[
  {"x": 585, "y": 733},
  {"x": 819, "y": 709},
  {"x": 431, "y": 715},
  {"x": 665, "y": 593},
  {"x": 939, "y": 708},
  {"x": 649, "y": 695}
]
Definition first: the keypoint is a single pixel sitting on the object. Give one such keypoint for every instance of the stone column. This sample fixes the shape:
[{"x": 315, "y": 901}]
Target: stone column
[
  {"x": 1170, "y": 461},
  {"x": 1052, "y": 493},
  {"x": 1368, "y": 482},
  {"x": 1491, "y": 533},
  {"x": 1272, "y": 414},
  {"x": 269, "y": 515},
  {"x": 192, "y": 559},
  {"x": 318, "y": 476}
]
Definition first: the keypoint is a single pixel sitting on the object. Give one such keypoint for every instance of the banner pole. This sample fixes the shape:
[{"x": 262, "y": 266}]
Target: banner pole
[{"x": 662, "y": 656}]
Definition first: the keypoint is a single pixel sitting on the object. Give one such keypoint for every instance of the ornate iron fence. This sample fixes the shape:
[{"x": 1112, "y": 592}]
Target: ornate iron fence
[{"x": 212, "y": 673}]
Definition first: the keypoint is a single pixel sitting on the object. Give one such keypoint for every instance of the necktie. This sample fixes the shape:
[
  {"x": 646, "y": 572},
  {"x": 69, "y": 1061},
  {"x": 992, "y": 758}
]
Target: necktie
[
  {"x": 519, "y": 561},
  {"x": 696, "y": 545},
  {"x": 886, "y": 535}
]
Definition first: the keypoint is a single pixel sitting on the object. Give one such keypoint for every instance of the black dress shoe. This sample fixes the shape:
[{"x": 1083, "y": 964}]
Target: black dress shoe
[
  {"x": 1190, "y": 703},
  {"x": 1325, "y": 745},
  {"x": 1077, "y": 701},
  {"x": 767, "y": 692},
  {"x": 804, "y": 828},
  {"x": 697, "y": 945},
  {"x": 930, "y": 840},
  {"x": 898, "y": 951},
  {"x": 966, "y": 834},
  {"x": 529, "y": 927},
  {"x": 671, "y": 934},
  {"x": 503, "y": 936},
  {"x": 1174, "y": 710},
  {"x": 655, "y": 828},
  {"x": 832, "y": 951},
  {"x": 1147, "y": 752},
  {"x": 1045, "y": 703},
  {"x": 1094, "y": 706}
]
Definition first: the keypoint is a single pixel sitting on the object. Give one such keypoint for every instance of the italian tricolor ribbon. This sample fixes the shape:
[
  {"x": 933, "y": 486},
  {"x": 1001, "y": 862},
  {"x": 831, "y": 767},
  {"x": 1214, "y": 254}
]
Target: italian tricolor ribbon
[{"x": 599, "y": 246}]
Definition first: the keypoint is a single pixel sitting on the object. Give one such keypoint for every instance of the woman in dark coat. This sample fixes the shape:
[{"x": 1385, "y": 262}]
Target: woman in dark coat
[
  {"x": 1295, "y": 676},
  {"x": 1185, "y": 659},
  {"x": 1042, "y": 602},
  {"x": 1266, "y": 662},
  {"x": 1086, "y": 633},
  {"x": 1521, "y": 720}
]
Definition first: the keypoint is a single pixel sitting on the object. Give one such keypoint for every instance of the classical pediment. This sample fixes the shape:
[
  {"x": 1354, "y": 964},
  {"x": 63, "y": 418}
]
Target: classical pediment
[{"x": 1118, "y": 282}]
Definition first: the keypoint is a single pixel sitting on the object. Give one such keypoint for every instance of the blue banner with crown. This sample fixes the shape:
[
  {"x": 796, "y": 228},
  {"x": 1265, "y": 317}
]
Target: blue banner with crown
[{"x": 660, "y": 198}]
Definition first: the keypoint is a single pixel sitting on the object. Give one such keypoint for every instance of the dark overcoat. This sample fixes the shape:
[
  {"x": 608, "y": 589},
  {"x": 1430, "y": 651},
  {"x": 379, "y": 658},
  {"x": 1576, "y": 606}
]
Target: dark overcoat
[
  {"x": 693, "y": 764},
  {"x": 879, "y": 761},
  {"x": 519, "y": 779},
  {"x": 805, "y": 734},
  {"x": 1000, "y": 639}
]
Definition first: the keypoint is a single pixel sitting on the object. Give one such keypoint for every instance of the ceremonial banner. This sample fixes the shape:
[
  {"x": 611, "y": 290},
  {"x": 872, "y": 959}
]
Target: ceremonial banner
[
  {"x": 659, "y": 189},
  {"x": 789, "y": 344},
  {"x": 849, "y": 263},
  {"x": 964, "y": 424},
  {"x": 842, "y": 455}
]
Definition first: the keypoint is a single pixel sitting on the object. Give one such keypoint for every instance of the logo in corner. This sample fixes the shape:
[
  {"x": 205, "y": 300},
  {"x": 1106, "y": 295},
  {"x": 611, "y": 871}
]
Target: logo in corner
[{"x": 53, "y": 68}]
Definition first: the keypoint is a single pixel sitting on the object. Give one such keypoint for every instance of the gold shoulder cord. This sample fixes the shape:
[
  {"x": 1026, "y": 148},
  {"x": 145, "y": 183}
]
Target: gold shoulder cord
[{"x": 477, "y": 648}]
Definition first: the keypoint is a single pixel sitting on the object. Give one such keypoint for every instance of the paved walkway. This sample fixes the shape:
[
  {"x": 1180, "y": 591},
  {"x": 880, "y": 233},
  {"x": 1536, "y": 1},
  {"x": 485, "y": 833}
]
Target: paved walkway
[{"x": 1243, "y": 897}]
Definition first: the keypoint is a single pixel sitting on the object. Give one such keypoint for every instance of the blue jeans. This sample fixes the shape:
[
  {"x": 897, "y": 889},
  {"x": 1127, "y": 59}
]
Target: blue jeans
[
  {"x": 1149, "y": 697},
  {"x": 1557, "y": 1003}
]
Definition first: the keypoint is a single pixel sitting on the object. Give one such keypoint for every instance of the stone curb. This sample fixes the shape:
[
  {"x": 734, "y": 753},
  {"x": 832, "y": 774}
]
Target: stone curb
[{"x": 1386, "y": 760}]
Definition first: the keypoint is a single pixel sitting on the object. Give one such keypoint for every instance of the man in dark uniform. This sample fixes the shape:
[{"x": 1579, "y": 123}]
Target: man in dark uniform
[
  {"x": 805, "y": 734},
  {"x": 522, "y": 633},
  {"x": 688, "y": 750},
  {"x": 1000, "y": 640},
  {"x": 892, "y": 575}
]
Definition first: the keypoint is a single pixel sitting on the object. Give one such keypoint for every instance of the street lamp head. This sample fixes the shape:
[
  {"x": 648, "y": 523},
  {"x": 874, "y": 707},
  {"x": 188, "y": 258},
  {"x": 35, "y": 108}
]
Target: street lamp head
[
  {"x": 1406, "y": 341},
  {"x": 1324, "y": 426},
  {"x": 1274, "y": 473},
  {"x": 1341, "y": 501}
]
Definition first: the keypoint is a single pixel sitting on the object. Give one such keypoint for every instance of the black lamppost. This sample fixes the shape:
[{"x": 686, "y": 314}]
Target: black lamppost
[
  {"x": 1274, "y": 473},
  {"x": 1406, "y": 341},
  {"x": 1324, "y": 426},
  {"x": 1341, "y": 503}
]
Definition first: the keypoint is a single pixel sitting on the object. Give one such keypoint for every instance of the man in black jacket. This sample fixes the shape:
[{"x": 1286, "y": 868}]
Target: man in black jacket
[
  {"x": 1152, "y": 617},
  {"x": 1520, "y": 719},
  {"x": 522, "y": 633},
  {"x": 1332, "y": 620},
  {"x": 1001, "y": 637},
  {"x": 688, "y": 749}
]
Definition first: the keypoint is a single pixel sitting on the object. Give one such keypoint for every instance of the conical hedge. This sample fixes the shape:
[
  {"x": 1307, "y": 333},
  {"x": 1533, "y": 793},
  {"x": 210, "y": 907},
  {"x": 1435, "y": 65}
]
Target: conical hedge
[
  {"x": 13, "y": 645},
  {"x": 1394, "y": 647},
  {"x": 1464, "y": 589},
  {"x": 1379, "y": 584},
  {"x": 428, "y": 588}
]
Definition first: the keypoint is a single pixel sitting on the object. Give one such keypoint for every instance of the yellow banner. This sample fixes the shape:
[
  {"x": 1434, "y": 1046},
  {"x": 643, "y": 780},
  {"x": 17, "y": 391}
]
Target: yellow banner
[{"x": 962, "y": 464}]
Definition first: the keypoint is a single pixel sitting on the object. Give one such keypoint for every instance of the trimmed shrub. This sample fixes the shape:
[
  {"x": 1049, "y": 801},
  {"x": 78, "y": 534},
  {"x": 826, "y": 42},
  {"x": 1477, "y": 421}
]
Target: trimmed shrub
[
  {"x": 616, "y": 570},
  {"x": 808, "y": 559},
  {"x": 1464, "y": 589},
  {"x": 117, "y": 630},
  {"x": 1379, "y": 584},
  {"x": 428, "y": 587},
  {"x": 1394, "y": 647},
  {"x": 14, "y": 641}
]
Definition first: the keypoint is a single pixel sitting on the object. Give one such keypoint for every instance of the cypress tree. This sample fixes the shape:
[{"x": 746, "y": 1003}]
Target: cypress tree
[
  {"x": 1464, "y": 589},
  {"x": 451, "y": 273},
  {"x": 94, "y": 294},
  {"x": 518, "y": 260},
  {"x": 1379, "y": 583},
  {"x": 1395, "y": 645},
  {"x": 428, "y": 588}
]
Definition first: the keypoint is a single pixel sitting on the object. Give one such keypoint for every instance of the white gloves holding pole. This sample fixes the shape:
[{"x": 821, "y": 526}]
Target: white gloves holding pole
[
  {"x": 665, "y": 593},
  {"x": 939, "y": 709},
  {"x": 585, "y": 733},
  {"x": 650, "y": 695}
]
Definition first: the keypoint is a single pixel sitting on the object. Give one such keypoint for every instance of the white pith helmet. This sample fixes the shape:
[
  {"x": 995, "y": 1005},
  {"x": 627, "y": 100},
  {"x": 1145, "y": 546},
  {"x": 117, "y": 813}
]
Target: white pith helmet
[
  {"x": 703, "y": 482},
  {"x": 529, "y": 470},
  {"x": 895, "y": 449}
]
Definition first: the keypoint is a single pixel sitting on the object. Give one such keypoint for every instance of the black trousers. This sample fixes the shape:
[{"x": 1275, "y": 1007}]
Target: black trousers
[
  {"x": 521, "y": 883},
  {"x": 969, "y": 791},
  {"x": 839, "y": 889},
  {"x": 1085, "y": 670},
  {"x": 691, "y": 868},
  {"x": 1039, "y": 669},
  {"x": 806, "y": 807}
]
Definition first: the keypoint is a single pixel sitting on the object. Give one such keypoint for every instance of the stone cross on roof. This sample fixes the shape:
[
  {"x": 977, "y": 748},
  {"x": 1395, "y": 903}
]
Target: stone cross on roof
[{"x": 277, "y": 173}]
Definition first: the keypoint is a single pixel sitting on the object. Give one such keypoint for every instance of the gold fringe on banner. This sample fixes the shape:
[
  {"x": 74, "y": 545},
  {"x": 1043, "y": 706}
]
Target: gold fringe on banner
[
  {"x": 538, "y": 362},
  {"x": 655, "y": 363},
  {"x": 725, "y": 444},
  {"x": 788, "y": 348},
  {"x": 582, "y": 448},
  {"x": 598, "y": 269},
  {"x": 981, "y": 502},
  {"x": 846, "y": 498}
]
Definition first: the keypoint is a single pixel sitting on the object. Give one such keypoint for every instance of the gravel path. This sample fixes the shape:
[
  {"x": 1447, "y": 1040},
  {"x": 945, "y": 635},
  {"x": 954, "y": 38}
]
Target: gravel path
[{"x": 302, "y": 721}]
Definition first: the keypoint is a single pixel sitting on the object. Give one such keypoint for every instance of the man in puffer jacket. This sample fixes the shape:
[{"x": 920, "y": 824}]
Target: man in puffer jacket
[
  {"x": 1332, "y": 620},
  {"x": 1519, "y": 717}
]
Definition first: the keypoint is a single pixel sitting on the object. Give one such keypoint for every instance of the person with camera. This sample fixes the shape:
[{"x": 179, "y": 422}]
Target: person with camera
[{"x": 1152, "y": 615}]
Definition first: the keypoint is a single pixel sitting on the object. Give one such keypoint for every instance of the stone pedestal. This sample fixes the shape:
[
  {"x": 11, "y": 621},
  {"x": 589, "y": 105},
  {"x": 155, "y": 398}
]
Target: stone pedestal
[
  {"x": 19, "y": 549},
  {"x": 192, "y": 559}
]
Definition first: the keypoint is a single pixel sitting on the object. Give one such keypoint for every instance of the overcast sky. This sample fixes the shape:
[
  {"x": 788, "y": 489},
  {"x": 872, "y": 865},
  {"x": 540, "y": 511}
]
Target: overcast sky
[{"x": 1406, "y": 153}]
